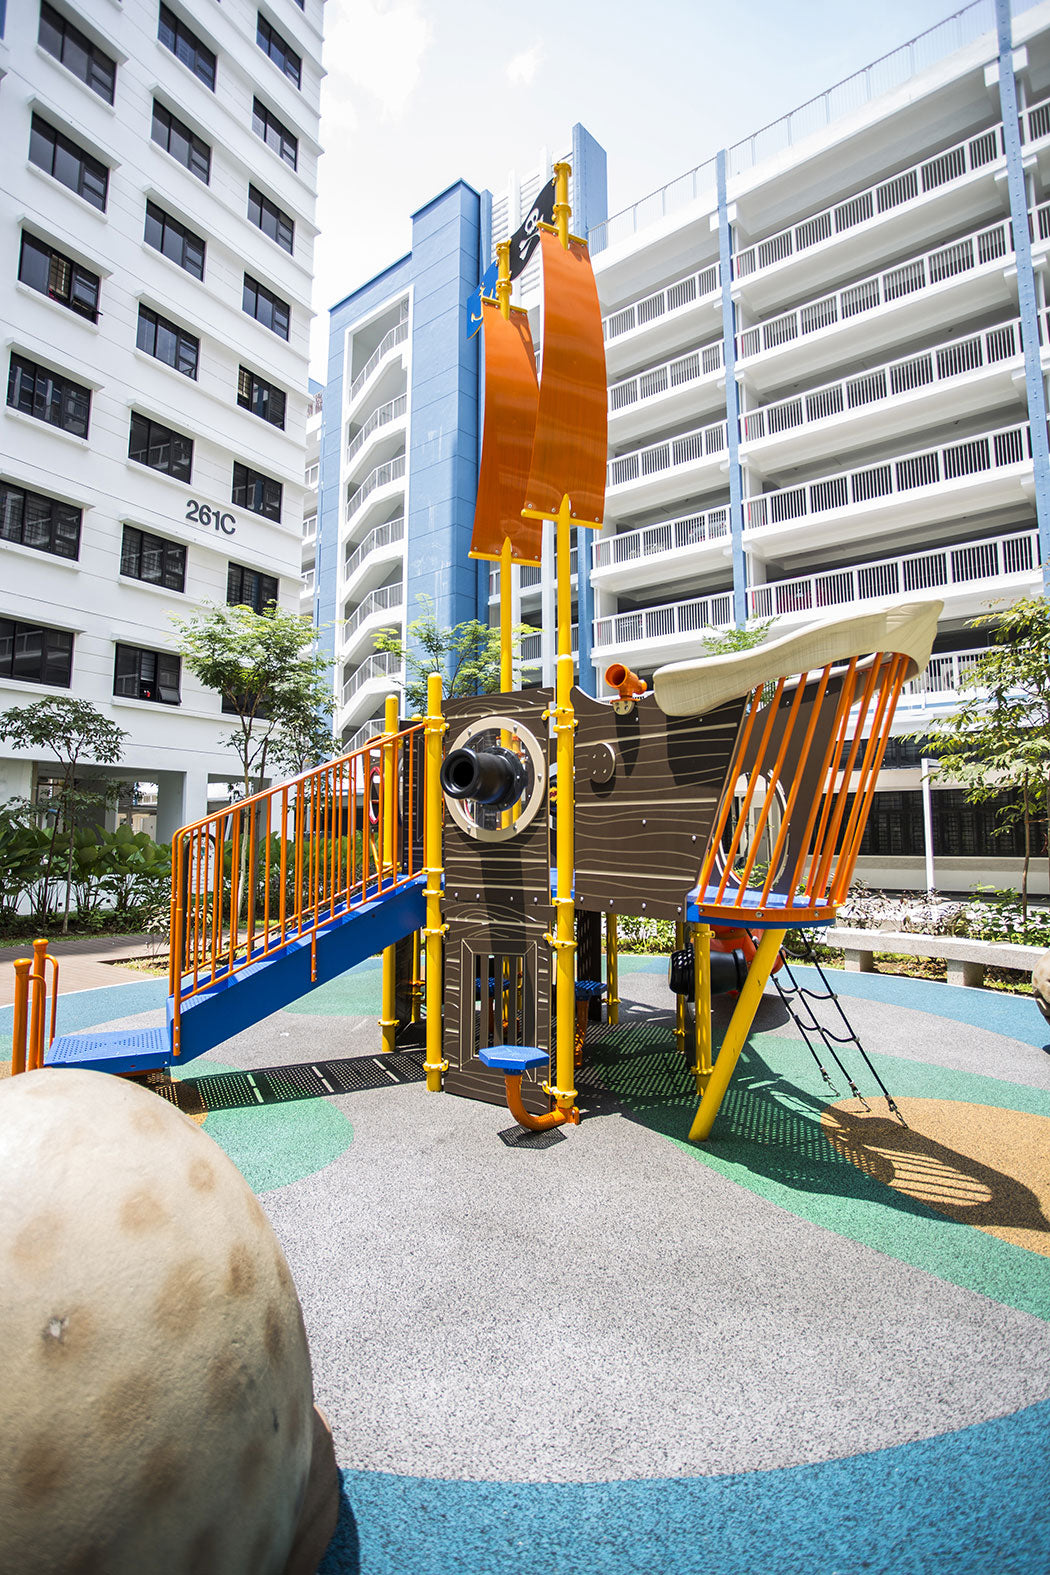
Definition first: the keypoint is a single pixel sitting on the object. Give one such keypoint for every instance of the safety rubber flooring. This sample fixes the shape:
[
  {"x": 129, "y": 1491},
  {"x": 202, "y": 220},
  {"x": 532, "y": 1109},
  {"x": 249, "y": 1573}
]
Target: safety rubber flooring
[{"x": 819, "y": 1343}]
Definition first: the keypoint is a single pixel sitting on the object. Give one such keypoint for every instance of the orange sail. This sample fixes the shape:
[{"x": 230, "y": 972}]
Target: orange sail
[
  {"x": 510, "y": 420},
  {"x": 570, "y": 449}
]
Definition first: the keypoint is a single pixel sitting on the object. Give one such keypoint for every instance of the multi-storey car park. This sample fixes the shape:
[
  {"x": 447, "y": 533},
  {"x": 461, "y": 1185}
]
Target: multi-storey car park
[
  {"x": 818, "y": 400},
  {"x": 158, "y": 237}
]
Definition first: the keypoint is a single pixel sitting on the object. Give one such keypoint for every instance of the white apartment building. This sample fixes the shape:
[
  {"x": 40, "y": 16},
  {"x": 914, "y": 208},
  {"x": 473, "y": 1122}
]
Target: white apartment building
[
  {"x": 817, "y": 387},
  {"x": 157, "y": 234}
]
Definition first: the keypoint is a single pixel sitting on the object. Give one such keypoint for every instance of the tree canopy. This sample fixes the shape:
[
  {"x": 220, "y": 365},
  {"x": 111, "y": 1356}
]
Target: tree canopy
[{"x": 467, "y": 655}]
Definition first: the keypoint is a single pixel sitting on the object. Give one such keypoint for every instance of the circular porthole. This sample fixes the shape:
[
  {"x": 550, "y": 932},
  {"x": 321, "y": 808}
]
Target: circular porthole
[{"x": 495, "y": 779}]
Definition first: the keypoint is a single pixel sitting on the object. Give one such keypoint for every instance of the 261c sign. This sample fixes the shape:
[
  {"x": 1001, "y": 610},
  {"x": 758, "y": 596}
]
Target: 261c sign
[{"x": 208, "y": 515}]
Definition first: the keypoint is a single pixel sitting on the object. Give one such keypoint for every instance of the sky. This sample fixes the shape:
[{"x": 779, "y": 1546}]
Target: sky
[{"x": 421, "y": 93}]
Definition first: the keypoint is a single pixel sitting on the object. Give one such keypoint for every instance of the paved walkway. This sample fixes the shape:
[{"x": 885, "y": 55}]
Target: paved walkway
[
  {"x": 85, "y": 962},
  {"x": 818, "y": 1343}
]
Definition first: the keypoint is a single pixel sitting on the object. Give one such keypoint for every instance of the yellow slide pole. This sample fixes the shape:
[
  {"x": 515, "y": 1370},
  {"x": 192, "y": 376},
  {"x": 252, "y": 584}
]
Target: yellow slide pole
[
  {"x": 433, "y": 730},
  {"x": 736, "y": 1033},
  {"x": 564, "y": 938},
  {"x": 702, "y": 1004},
  {"x": 388, "y": 1021}
]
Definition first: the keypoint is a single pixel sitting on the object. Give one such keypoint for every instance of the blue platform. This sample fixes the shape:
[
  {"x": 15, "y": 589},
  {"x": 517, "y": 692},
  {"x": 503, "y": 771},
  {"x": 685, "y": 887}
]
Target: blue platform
[
  {"x": 119, "y": 1050},
  {"x": 513, "y": 1058}
]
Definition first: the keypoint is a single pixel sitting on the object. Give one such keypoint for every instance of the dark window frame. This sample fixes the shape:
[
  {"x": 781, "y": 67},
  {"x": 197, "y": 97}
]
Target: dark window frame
[
  {"x": 189, "y": 243},
  {"x": 259, "y": 493},
  {"x": 68, "y": 163},
  {"x": 145, "y": 673},
  {"x": 277, "y": 48},
  {"x": 48, "y": 396},
  {"x": 275, "y": 133},
  {"x": 80, "y": 55},
  {"x": 198, "y": 152},
  {"x": 61, "y": 522},
  {"x": 271, "y": 220},
  {"x": 263, "y": 589},
  {"x": 62, "y": 279},
  {"x": 275, "y": 310},
  {"x": 157, "y": 336},
  {"x": 146, "y": 436},
  {"x": 254, "y": 393},
  {"x": 166, "y": 565},
  {"x": 188, "y": 49},
  {"x": 56, "y": 647}
]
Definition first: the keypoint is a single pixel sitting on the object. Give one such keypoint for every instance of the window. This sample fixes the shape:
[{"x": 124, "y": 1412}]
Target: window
[
  {"x": 252, "y": 490},
  {"x": 54, "y": 274},
  {"x": 56, "y": 155},
  {"x": 57, "y": 400},
  {"x": 34, "y": 654},
  {"x": 279, "y": 50},
  {"x": 265, "y": 307},
  {"x": 272, "y": 220},
  {"x": 248, "y": 588},
  {"x": 152, "y": 559},
  {"x": 147, "y": 675},
  {"x": 77, "y": 53},
  {"x": 33, "y": 520},
  {"x": 160, "y": 448},
  {"x": 312, "y": 472},
  {"x": 176, "y": 138},
  {"x": 167, "y": 235},
  {"x": 260, "y": 397},
  {"x": 162, "y": 338},
  {"x": 186, "y": 46},
  {"x": 274, "y": 133}
]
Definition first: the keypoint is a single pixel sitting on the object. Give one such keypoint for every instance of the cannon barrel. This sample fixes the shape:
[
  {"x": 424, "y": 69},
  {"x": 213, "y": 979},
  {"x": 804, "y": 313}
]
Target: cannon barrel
[{"x": 494, "y": 777}]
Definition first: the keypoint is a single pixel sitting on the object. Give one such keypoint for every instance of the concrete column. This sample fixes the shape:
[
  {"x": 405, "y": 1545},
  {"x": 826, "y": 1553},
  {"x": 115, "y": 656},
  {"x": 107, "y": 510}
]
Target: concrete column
[
  {"x": 16, "y": 779},
  {"x": 182, "y": 797}
]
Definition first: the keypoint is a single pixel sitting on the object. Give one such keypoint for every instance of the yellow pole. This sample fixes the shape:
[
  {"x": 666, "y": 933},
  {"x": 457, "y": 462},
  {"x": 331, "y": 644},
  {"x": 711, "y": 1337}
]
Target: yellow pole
[
  {"x": 702, "y": 1004},
  {"x": 563, "y": 525},
  {"x": 388, "y": 1021},
  {"x": 612, "y": 971},
  {"x": 503, "y": 280},
  {"x": 679, "y": 1000},
  {"x": 506, "y": 642},
  {"x": 19, "y": 1026},
  {"x": 417, "y": 981},
  {"x": 736, "y": 1033},
  {"x": 433, "y": 729},
  {"x": 564, "y": 938},
  {"x": 562, "y": 171}
]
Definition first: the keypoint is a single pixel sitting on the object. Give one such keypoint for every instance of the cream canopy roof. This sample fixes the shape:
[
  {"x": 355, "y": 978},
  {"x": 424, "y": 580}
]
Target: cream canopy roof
[{"x": 701, "y": 684}]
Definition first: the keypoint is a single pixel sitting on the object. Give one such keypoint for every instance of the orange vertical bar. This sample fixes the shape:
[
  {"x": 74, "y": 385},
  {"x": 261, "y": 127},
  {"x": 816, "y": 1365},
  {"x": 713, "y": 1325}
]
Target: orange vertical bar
[
  {"x": 880, "y": 732},
  {"x": 235, "y": 880},
  {"x": 800, "y": 766},
  {"x": 284, "y": 861},
  {"x": 842, "y": 795},
  {"x": 54, "y": 1000},
  {"x": 752, "y": 783},
  {"x": 20, "y": 1025},
  {"x": 821, "y": 798},
  {"x": 772, "y": 780},
  {"x": 37, "y": 1004},
  {"x": 727, "y": 795}
]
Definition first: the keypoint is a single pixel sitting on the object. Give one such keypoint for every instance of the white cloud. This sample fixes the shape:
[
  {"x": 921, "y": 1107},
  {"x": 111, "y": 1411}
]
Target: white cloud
[
  {"x": 374, "y": 51},
  {"x": 522, "y": 67}
]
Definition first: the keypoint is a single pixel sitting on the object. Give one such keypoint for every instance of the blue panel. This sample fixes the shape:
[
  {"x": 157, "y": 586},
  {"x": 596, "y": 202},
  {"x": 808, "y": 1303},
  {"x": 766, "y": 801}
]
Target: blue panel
[
  {"x": 117, "y": 1050},
  {"x": 266, "y": 986},
  {"x": 1033, "y": 373},
  {"x": 736, "y": 490}
]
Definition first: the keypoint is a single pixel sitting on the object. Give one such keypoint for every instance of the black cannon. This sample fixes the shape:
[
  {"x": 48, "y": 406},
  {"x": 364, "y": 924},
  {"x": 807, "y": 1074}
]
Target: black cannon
[{"x": 494, "y": 777}]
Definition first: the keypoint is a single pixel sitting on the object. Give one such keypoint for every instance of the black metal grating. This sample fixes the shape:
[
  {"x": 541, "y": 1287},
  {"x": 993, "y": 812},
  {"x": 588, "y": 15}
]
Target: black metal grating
[
  {"x": 291, "y": 1082},
  {"x": 521, "y": 1137},
  {"x": 275, "y": 1085}
]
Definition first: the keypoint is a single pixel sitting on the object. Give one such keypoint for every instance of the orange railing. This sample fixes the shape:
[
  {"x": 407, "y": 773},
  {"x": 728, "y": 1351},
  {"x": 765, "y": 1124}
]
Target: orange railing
[
  {"x": 798, "y": 793},
  {"x": 30, "y": 1009},
  {"x": 250, "y": 880}
]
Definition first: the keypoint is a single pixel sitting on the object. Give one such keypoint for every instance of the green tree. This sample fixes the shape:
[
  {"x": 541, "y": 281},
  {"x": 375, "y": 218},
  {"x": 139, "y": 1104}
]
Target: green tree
[
  {"x": 272, "y": 681},
  {"x": 467, "y": 655},
  {"x": 996, "y": 746},
  {"x": 75, "y": 733}
]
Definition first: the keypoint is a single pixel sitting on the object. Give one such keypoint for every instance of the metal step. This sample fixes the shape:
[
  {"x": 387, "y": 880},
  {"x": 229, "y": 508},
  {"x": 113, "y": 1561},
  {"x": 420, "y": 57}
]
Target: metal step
[{"x": 117, "y": 1050}]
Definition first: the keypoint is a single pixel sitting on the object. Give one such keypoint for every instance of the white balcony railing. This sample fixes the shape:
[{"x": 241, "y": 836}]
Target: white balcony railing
[
  {"x": 384, "y": 599},
  {"x": 692, "y": 530},
  {"x": 944, "y": 169},
  {"x": 361, "y": 735},
  {"x": 918, "y": 273},
  {"x": 988, "y": 452},
  {"x": 382, "y": 476},
  {"x": 530, "y": 651},
  {"x": 885, "y": 382},
  {"x": 394, "y": 336},
  {"x": 382, "y": 536},
  {"x": 969, "y": 563},
  {"x": 530, "y": 574},
  {"x": 663, "y": 623},
  {"x": 379, "y": 418},
  {"x": 943, "y": 677},
  {"x": 383, "y": 665},
  {"x": 685, "y": 369},
  {"x": 683, "y": 292},
  {"x": 686, "y": 449}
]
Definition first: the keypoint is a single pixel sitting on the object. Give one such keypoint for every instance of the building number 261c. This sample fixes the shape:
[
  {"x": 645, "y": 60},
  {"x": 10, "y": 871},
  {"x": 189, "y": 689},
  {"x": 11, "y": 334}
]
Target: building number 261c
[{"x": 204, "y": 514}]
